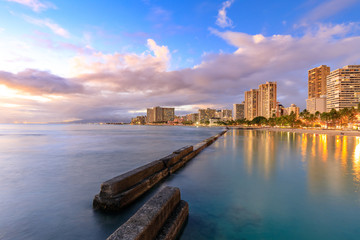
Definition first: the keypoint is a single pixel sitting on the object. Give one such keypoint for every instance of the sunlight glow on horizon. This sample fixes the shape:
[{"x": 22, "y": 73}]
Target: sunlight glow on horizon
[{"x": 9, "y": 93}]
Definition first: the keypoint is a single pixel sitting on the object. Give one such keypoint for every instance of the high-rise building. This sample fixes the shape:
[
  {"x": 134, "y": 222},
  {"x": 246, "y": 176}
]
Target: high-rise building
[
  {"x": 150, "y": 116},
  {"x": 206, "y": 114},
  {"x": 261, "y": 102},
  {"x": 168, "y": 114},
  {"x": 317, "y": 81},
  {"x": 267, "y": 98},
  {"x": 317, "y": 89},
  {"x": 251, "y": 107},
  {"x": 226, "y": 114},
  {"x": 343, "y": 87},
  {"x": 193, "y": 117},
  {"x": 238, "y": 111},
  {"x": 159, "y": 114},
  {"x": 218, "y": 114}
]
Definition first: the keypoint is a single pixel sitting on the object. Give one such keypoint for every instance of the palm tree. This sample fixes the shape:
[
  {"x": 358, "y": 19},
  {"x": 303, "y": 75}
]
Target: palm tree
[
  {"x": 334, "y": 116},
  {"x": 291, "y": 119},
  {"x": 325, "y": 117},
  {"x": 304, "y": 114}
]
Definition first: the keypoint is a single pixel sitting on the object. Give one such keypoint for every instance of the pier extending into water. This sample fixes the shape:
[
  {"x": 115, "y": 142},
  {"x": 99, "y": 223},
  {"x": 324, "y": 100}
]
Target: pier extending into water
[
  {"x": 160, "y": 218},
  {"x": 124, "y": 189}
]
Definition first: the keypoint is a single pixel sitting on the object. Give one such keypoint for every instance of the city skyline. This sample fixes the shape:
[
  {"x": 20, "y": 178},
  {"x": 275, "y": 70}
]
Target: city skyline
[{"x": 86, "y": 61}]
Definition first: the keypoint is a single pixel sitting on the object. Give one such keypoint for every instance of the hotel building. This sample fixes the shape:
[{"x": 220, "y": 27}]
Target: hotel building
[
  {"x": 317, "y": 89},
  {"x": 251, "y": 104},
  {"x": 293, "y": 108},
  {"x": 343, "y": 87},
  {"x": 238, "y": 111},
  {"x": 317, "y": 81},
  {"x": 316, "y": 104},
  {"x": 226, "y": 114},
  {"x": 193, "y": 117},
  {"x": 261, "y": 102},
  {"x": 206, "y": 114},
  {"x": 160, "y": 115},
  {"x": 267, "y": 95}
]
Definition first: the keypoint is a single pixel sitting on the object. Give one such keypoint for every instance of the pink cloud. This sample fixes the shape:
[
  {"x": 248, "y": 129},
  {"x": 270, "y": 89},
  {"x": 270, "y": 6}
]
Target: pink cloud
[{"x": 110, "y": 85}]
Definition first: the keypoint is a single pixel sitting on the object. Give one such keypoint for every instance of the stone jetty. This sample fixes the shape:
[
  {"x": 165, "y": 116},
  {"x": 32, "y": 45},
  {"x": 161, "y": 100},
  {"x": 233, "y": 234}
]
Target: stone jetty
[
  {"x": 161, "y": 218},
  {"x": 124, "y": 189}
]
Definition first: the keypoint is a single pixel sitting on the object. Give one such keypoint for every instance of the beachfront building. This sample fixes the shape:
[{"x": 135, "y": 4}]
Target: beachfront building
[
  {"x": 214, "y": 121},
  {"x": 278, "y": 111},
  {"x": 317, "y": 81},
  {"x": 238, "y": 111},
  {"x": 206, "y": 114},
  {"x": 317, "y": 89},
  {"x": 261, "y": 102},
  {"x": 139, "y": 120},
  {"x": 267, "y": 98},
  {"x": 251, "y": 107},
  {"x": 218, "y": 114},
  {"x": 314, "y": 105},
  {"x": 192, "y": 117},
  {"x": 160, "y": 115},
  {"x": 293, "y": 108},
  {"x": 343, "y": 86},
  {"x": 226, "y": 114}
]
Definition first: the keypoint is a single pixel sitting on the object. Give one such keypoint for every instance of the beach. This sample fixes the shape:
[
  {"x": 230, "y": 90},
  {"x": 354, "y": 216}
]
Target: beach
[{"x": 331, "y": 132}]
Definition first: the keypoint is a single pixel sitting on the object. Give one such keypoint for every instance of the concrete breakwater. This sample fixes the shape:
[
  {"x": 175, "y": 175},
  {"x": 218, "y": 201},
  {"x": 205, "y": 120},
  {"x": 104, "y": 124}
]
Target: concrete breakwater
[
  {"x": 162, "y": 217},
  {"x": 124, "y": 189}
]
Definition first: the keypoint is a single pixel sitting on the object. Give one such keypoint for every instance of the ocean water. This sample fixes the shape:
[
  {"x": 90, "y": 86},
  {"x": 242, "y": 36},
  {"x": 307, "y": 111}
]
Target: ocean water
[
  {"x": 246, "y": 185},
  {"x": 49, "y": 174},
  {"x": 273, "y": 185}
]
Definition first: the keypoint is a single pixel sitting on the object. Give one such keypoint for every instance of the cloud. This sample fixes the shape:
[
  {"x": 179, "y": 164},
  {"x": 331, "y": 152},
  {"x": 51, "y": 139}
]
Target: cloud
[
  {"x": 35, "y": 5},
  {"x": 35, "y": 82},
  {"x": 48, "y": 23},
  {"x": 100, "y": 62},
  {"x": 113, "y": 86},
  {"x": 161, "y": 52},
  {"x": 222, "y": 19},
  {"x": 326, "y": 9}
]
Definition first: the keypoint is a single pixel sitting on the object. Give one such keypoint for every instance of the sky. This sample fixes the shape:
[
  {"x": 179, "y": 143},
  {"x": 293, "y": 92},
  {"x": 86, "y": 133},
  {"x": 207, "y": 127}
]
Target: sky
[{"x": 90, "y": 60}]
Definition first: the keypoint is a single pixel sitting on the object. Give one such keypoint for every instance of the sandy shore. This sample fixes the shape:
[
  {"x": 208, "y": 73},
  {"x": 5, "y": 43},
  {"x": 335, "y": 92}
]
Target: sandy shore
[{"x": 314, "y": 131}]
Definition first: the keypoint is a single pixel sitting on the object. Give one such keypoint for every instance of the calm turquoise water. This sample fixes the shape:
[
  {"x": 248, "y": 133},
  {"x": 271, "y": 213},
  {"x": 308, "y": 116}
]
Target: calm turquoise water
[
  {"x": 247, "y": 185},
  {"x": 49, "y": 174},
  {"x": 268, "y": 185}
]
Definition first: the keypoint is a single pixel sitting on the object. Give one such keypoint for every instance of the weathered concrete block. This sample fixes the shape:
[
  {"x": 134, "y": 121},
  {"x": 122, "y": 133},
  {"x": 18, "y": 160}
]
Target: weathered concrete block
[
  {"x": 122, "y": 190},
  {"x": 189, "y": 156},
  {"x": 146, "y": 223},
  {"x": 223, "y": 132},
  {"x": 176, "y": 166},
  {"x": 184, "y": 150},
  {"x": 199, "y": 147},
  {"x": 125, "y": 181},
  {"x": 117, "y": 202},
  {"x": 176, "y": 156},
  {"x": 175, "y": 223}
]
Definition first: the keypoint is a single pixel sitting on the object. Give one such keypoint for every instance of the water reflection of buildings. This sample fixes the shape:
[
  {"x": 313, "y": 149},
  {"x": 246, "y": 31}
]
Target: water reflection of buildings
[
  {"x": 260, "y": 152},
  {"x": 333, "y": 163}
]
